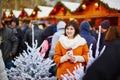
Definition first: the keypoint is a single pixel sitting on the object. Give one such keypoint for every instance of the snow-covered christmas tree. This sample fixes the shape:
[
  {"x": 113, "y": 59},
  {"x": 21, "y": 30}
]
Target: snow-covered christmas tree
[
  {"x": 79, "y": 72},
  {"x": 30, "y": 65}
]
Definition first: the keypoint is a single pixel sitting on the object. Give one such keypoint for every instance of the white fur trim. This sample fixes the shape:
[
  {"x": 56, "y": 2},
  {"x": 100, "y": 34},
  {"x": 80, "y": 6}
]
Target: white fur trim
[{"x": 72, "y": 43}]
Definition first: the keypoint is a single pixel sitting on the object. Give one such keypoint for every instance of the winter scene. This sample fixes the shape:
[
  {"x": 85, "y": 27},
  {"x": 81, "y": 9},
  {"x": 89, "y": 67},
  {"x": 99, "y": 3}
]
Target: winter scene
[{"x": 59, "y": 40}]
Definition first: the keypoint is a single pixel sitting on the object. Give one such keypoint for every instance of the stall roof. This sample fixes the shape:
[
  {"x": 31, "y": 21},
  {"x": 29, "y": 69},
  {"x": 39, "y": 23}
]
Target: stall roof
[
  {"x": 112, "y": 3},
  {"x": 72, "y": 6},
  {"x": 45, "y": 11}
]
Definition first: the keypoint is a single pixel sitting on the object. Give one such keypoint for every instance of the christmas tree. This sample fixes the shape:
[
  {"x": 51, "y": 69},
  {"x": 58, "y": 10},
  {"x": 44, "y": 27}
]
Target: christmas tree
[{"x": 30, "y": 65}]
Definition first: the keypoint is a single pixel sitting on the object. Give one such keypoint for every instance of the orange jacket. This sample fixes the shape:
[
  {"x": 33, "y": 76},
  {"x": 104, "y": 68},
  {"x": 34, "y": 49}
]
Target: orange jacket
[{"x": 81, "y": 50}]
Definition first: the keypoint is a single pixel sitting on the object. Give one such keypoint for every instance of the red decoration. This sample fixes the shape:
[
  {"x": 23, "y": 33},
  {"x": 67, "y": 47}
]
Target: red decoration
[
  {"x": 25, "y": 14},
  {"x": 82, "y": 1},
  {"x": 108, "y": 12},
  {"x": 21, "y": 14},
  {"x": 62, "y": 9},
  {"x": 115, "y": 11},
  {"x": 55, "y": 10},
  {"x": 4, "y": 15},
  {"x": 97, "y": 8}
]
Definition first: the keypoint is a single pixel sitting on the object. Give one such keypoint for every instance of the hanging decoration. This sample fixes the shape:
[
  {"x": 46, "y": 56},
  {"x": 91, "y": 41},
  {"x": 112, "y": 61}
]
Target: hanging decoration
[
  {"x": 63, "y": 6},
  {"x": 55, "y": 10},
  {"x": 3, "y": 15},
  {"x": 96, "y": 5},
  {"x": 62, "y": 9},
  {"x": 83, "y": 6},
  {"x": 11, "y": 15},
  {"x": 23, "y": 14}
]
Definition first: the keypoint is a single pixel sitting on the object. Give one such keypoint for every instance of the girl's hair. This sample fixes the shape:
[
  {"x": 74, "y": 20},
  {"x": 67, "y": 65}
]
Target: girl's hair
[
  {"x": 112, "y": 33},
  {"x": 75, "y": 26}
]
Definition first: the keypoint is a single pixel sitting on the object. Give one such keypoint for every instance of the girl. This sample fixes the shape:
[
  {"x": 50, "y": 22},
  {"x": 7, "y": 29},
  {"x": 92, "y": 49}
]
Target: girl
[{"x": 71, "y": 50}]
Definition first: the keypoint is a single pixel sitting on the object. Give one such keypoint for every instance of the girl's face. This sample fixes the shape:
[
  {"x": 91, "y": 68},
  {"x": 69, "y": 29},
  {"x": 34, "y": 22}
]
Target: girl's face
[{"x": 70, "y": 31}]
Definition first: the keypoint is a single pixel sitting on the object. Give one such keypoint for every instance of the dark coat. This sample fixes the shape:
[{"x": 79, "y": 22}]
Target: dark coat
[
  {"x": 37, "y": 36},
  {"x": 19, "y": 34},
  {"x": 107, "y": 66},
  {"x": 49, "y": 31},
  {"x": 85, "y": 33},
  {"x": 9, "y": 44}
]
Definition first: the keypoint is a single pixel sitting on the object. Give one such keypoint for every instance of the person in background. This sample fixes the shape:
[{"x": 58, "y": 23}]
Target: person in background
[
  {"x": 41, "y": 26},
  {"x": 25, "y": 26},
  {"x": 60, "y": 30},
  {"x": 7, "y": 23},
  {"x": 105, "y": 24},
  {"x": 49, "y": 30},
  {"x": 18, "y": 33},
  {"x": 3, "y": 73},
  {"x": 92, "y": 28},
  {"x": 85, "y": 33},
  {"x": 71, "y": 50},
  {"x": 37, "y": 35},
  {"x": 107, "y": 66},
  {"x": 8, "y": 44},
  {"x": 47, "y": 34}
]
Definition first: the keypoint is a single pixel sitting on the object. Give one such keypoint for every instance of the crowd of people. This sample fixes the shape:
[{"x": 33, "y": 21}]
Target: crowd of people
[{"x": 68, "y": 45}]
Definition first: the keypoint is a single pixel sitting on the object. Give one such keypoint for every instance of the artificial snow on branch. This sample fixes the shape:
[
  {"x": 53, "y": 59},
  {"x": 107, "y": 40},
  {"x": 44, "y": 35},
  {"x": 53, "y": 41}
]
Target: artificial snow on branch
[{"x": 76, "y": 75}]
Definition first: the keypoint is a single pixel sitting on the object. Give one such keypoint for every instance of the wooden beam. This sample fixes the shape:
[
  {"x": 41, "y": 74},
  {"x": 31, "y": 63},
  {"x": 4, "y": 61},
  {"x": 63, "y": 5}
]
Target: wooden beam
[{"x": 85, "y": 16}]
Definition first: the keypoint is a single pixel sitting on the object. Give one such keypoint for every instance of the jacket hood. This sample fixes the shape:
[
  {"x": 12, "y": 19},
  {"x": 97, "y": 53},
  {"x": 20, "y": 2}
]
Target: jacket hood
[
  {"x": 61, "y": 25},
  {"x": 105, "y": 24},
  {"x": 84, "y": 27}
]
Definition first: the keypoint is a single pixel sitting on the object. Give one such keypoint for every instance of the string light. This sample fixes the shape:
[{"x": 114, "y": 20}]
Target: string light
[
  {"x": 34, "y": 13},
  {"x": 83, "y": 6},
  {"x": 96, "y": 5}
]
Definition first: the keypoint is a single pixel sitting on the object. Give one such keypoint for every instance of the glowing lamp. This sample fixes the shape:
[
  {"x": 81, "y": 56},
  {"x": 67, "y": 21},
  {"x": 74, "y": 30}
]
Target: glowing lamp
[
  {"x": 34, "y": 13},
  {"x": 96, "y": 5},
  {"x": 83, "y": 6}
]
